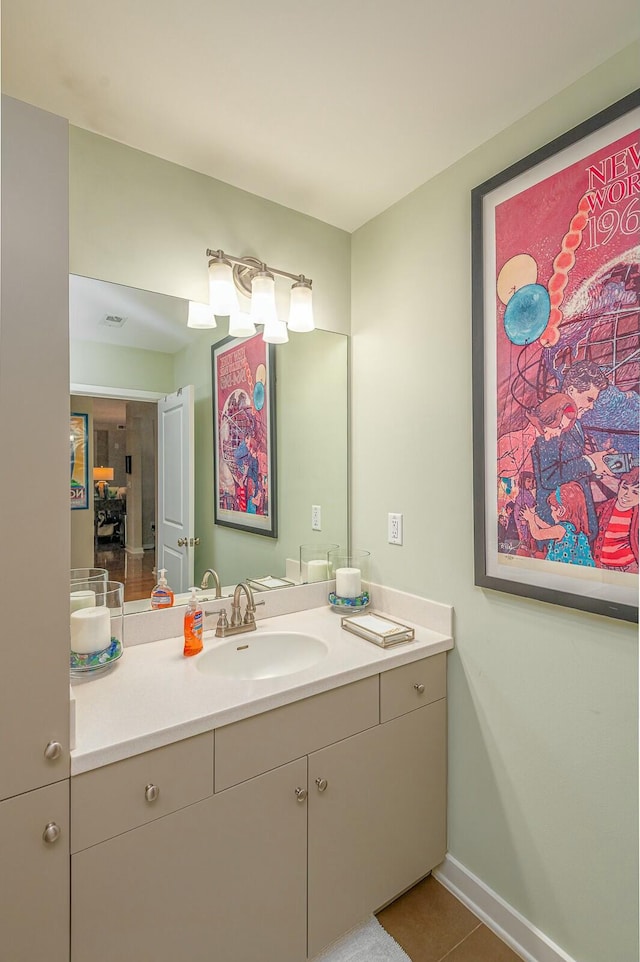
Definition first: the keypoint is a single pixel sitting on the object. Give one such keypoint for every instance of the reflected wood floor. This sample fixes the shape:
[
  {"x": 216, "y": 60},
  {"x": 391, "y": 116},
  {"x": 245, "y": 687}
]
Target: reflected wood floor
[
  {"x": 431, "y": 925},
  {"x": 137, "y": 572}
]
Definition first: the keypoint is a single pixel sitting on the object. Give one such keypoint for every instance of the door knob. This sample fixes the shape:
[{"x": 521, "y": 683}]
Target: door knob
[
  {"x": 301, "y": 794},
  {"x": 53, "y": 751},
  {"x": 51, "y": 833},
  {"x": 194, "y": 542},
  {"x": 183, "y": 542}
]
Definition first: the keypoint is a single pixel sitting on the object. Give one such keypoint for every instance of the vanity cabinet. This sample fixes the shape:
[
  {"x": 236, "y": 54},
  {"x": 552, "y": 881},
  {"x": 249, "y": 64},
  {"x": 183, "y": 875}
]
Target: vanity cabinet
[
  {"x": 317, "y": 814},
  {"x": 377, "y": 819},
  {"x": 34, "y": 875}
]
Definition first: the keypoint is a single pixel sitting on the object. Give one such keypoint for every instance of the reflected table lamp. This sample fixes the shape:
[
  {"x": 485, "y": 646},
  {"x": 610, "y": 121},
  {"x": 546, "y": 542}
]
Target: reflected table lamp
[{"x": 101, "y": 479}]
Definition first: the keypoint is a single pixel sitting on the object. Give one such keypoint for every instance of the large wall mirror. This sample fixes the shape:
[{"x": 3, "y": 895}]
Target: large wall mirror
[{"x": 128, "y": 348}]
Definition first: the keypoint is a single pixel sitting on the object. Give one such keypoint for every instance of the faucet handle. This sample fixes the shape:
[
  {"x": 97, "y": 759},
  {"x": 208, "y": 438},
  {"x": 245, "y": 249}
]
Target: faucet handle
[{"x": 249, "y": 613}]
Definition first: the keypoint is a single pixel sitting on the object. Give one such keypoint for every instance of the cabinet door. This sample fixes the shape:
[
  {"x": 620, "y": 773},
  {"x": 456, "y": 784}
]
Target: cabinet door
[
  {"x": 34, "y": 876},
  {"x": 221, "y": 880},
  {"x": 34, "y": 401},
  {"x": 377, "y": 819}
]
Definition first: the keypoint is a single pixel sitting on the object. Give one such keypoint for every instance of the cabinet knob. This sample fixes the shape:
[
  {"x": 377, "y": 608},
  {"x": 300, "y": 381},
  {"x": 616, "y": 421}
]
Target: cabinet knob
[
  {"x": 322, "y": 784},
  {"x": 151, "y": 792},
  {"x": 301, "y": 794},
  {"x": 419, "y": 688},
  {"x": 53, "y": 751},
  {"x": 51, "y": 833}
]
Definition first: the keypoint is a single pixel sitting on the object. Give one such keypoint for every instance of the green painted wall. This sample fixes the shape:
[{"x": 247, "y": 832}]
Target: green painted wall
[
  {"x": 142, "y": 221},
  {"x": 543, "y": 777},
  {"x": 106, "y": 365}
]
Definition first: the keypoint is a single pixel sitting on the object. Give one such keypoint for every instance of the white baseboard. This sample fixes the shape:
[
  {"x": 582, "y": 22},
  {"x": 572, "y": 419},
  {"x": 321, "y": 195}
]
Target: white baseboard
[{"x": 507, "y": 923}]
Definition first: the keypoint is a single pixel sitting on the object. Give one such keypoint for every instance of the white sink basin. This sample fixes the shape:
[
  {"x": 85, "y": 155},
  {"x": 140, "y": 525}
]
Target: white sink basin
[{"x": 259, "y": 654}]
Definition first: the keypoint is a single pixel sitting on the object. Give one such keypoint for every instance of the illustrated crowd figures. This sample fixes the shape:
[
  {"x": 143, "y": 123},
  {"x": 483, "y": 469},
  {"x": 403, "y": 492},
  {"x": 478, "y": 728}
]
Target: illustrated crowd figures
[{"x": 576, "y": 498}]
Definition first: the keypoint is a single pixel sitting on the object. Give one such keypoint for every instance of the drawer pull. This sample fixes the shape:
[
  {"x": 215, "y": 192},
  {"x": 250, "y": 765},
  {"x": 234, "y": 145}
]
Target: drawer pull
[
  {"x": 419, "y": 689},
  {"x": 51, "y": 833},
  {"x": 322, "y": 784},
  {"x": 53, "y": 751},
  {"x": 151, "y": 793},
  {"x": 301, "y": 794}
]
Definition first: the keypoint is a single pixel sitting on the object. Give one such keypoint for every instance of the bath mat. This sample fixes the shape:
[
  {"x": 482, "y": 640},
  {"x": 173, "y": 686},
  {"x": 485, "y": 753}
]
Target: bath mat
[{"x": 368, "y": 942}]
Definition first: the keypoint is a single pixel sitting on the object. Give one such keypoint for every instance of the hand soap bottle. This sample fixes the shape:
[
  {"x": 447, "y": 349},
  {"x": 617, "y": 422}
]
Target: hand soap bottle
[
  {"x": 162, "y": 595},
  {"x": 193, "y": 626}
]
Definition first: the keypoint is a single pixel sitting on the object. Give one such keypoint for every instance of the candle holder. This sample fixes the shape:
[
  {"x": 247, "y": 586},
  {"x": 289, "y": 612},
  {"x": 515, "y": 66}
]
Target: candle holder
[
  {"x": 96, "y": 624},
  {"x": 314, "y": 562},
  {"x": 351, "y": 572},
  {"x": 88, "y": 574}
]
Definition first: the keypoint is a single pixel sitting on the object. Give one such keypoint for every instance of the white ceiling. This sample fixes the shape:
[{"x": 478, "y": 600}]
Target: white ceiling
[
  {"x": 336, "y": 108},
  {"x": 153, "y": 322}
]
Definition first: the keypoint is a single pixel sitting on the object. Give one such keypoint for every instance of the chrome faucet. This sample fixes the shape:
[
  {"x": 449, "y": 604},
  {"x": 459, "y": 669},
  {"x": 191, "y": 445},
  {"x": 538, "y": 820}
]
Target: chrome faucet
[
  {"x": 216, "y": 580},
  {"x": 237, "y": 624}
]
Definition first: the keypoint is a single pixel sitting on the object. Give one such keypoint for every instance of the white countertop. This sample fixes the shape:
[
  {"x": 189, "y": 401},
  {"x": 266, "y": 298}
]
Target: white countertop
[{"x": 154, "y": 695}]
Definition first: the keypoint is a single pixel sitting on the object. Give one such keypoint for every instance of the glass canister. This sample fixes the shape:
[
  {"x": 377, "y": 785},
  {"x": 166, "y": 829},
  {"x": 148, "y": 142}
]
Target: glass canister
[
  {"x": 314, "y": 562},
  {"x": 96, "y": 623},
  {"x": 351, "y": 572},
  {"x": 88, "y": 574}
]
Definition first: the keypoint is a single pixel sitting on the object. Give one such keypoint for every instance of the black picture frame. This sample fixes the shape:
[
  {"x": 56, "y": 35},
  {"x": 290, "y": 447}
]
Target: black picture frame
[
  {"x": 493, "y": 568},
  {"x": 243, "y": 375}
]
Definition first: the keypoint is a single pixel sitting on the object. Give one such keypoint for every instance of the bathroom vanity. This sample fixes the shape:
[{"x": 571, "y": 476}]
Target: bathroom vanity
[{"x": 274, "y": 814}]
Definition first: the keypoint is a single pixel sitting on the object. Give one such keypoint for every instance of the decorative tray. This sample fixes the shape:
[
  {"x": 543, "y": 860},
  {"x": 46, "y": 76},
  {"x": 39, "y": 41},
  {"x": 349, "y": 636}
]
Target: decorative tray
[
  {"x": 96, "y": 660},
  {"x": 379, "y": 629},
  {"x": 268, "y": 583}
]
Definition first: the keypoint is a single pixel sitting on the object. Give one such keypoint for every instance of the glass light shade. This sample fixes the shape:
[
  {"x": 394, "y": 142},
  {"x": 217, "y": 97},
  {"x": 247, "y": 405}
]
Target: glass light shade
[
  {"x": 223, "y": 299},
  {"x": 275, "y": 332},
  {"x": 263, "y": 299},
  {"x": 301, "y": 309},
  {"x": 200, "y": 316},
  {"x": 241, "y": 325}
]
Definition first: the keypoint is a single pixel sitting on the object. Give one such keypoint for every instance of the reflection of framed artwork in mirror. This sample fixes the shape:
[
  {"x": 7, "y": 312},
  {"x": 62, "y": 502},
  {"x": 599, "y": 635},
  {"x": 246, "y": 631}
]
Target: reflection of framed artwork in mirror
[
  {"x": 79, "y": 460},
  {"x": 244, "y": 436}
]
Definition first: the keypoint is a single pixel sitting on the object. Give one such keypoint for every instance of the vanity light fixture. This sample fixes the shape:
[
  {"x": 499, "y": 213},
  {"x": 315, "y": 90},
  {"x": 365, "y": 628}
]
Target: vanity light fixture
[
  {"x": 256, "y": 280},
  {"x": 200, "y": 316}
]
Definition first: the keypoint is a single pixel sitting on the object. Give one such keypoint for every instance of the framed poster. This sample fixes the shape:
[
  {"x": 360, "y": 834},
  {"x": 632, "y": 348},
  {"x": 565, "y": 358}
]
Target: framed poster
[
  {"x": 244, "y": 436},
  {"x": 556, "y": 369},
  {"x": 79, "y": 460}
]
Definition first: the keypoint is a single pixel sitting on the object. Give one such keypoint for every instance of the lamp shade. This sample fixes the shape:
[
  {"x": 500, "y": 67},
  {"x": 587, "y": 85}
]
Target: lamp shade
[
  {"x": 275, "y": 333},
  {"x": 200, "y": 316},
  {"x": 223, "y": 299},
  {"x": 241, "y": 325},
  {"x": 263, "y": 298},
  {"x": 103, "y": 474},
  {"x": 301, "y": 308}
]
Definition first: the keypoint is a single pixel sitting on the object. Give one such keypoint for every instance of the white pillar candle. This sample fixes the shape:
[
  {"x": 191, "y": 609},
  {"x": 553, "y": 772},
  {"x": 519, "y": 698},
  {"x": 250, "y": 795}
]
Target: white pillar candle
[
  {"x": 317, "y": 570},
  {"x": 82, "y": 599},
  {"x": 348, "y": 582},
  {"x": 90, "y": 630}
]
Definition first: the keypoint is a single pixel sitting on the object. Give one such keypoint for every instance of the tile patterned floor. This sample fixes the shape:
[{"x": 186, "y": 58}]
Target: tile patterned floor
[{"x": 431, "y": 925}]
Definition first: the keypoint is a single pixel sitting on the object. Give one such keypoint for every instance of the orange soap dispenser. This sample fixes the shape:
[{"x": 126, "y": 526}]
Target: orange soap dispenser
[{"x": 193, "y": 626}]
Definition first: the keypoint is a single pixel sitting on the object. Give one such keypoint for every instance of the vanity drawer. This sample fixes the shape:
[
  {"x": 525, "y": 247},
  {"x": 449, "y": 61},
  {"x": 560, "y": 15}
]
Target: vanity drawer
[
  {"x": 412, "y": 686},
  {"x": 256, "y": 745},
  {"x": 114, "y": 799}
]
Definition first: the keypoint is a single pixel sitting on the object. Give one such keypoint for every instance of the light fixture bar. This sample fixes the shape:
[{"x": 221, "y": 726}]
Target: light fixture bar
[{"x": 250, "y": 263}]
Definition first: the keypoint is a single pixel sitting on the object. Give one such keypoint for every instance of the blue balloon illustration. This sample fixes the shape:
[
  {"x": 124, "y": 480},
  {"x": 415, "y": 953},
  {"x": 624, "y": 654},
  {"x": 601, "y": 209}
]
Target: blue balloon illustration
[
  {"x": 258, "y": 396},
  {"x": 527, "y": 314}
]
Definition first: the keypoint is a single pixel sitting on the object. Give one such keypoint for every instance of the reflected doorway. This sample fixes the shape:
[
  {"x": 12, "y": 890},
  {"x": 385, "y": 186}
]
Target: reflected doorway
[{"x": 124, "y": 507}]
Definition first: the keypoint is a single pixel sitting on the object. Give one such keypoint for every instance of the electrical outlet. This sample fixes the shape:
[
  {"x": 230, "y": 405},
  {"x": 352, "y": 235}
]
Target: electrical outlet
[
  {"x": 395, "y": 528},
  {"x": 316, "y": 517}
]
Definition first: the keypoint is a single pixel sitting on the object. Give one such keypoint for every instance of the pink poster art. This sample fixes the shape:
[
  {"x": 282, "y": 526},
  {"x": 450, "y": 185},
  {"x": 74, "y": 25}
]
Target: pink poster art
[
  {"x": 564, "y": 295},
  {"x": 243, "y": 434}
]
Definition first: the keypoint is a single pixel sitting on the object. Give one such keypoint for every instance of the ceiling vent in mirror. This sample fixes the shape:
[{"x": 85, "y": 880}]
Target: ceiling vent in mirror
[{"x": 113, "y": 320}]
